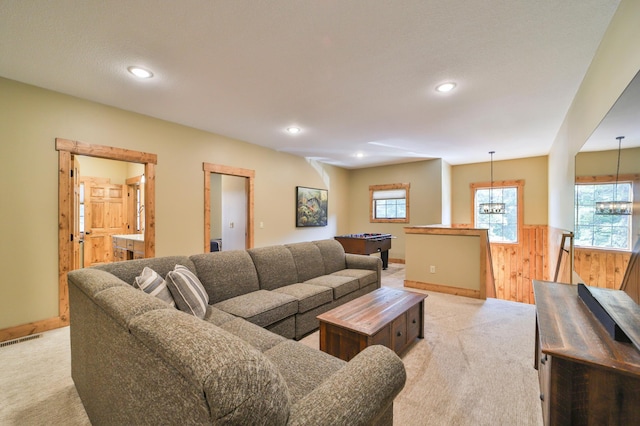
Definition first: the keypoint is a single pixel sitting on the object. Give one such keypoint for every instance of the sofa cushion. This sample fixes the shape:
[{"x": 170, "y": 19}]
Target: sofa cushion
[
  {"x": 254, "y": 335},
  {"x": 302, "y": 367},
  {"x": 364, "y": 276},
  {"x": 92, "y": 281},
  {"x": 341, "y": 285},
  {"x": 124, "y": 303},
  {"x": 226, "y": 274},
  {"x": 308, "y": 260},
  {"x": 217, "y": 316},
  {"x": 187, "y": 291},
  {"x": 152, "y": 283},
  {"x": 333, "y": 255},
  {"x": 241, "y": 385},
  {"x": 261, "y": 307},
  {"x": 128, "y": 270},
  {"x": 309, "y": 296},
  {"x": 275, "y": 266}
]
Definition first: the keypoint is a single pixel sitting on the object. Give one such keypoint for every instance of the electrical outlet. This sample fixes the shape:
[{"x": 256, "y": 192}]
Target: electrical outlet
[
  {"x": 231, "y": 224},
  {"x": 432, "y": 269},
  {"x": 261, "y": 225}
]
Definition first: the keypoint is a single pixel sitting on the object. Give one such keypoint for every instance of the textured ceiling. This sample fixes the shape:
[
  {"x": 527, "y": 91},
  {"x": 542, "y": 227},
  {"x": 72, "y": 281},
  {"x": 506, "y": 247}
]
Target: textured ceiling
[{"x": 355, "y": 76}]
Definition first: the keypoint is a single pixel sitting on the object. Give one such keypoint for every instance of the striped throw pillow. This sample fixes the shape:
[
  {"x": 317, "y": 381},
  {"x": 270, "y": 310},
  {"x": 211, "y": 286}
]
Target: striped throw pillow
[
  {"x": 152, "y": 283},
  {"x": 187, "y": 291}
]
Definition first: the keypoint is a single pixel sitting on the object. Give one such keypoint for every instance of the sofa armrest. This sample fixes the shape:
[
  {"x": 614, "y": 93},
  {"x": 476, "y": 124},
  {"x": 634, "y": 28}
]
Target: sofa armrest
[
  {"x": 360, "y": 261},
  {"x": 358, "y": 394}
]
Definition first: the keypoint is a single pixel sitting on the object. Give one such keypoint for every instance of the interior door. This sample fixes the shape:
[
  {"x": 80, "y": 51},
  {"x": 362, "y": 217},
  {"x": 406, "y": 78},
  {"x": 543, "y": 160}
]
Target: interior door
[{"x": 104, "y": 216}]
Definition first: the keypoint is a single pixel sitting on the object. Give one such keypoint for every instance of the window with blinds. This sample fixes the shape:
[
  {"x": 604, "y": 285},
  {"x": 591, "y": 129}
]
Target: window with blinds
[{"x": 389, "y": 203}]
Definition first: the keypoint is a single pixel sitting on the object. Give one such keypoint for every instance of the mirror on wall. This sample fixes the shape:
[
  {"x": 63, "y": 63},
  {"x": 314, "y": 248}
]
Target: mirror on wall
[{"x": 603, "y": 242}]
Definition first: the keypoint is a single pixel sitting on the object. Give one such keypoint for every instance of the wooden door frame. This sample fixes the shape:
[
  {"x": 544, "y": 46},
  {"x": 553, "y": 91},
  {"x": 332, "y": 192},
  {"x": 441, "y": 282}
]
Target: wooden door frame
[
  {"x": 230, "y": 171},
  {"x": 66, "y": 148}
]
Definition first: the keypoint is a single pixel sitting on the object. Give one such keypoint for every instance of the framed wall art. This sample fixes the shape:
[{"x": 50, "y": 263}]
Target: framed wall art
[{"x": 311, "y": 206}]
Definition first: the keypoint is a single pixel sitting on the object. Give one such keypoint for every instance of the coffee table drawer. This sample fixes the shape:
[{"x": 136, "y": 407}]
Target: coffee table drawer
[
  {"x": 399, "y": 333},
  {"x": 413, "y": 323}
]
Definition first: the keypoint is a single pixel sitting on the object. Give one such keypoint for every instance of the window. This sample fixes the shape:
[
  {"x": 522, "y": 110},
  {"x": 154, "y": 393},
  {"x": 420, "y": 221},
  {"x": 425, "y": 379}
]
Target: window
[
  {"x": 389, "y": 203},
  {"x": 81, "y": 209},
  {"x": 139, "y": 208},
  {"x": 503, "y": 228},
  {"x": 597, "y": 230}
]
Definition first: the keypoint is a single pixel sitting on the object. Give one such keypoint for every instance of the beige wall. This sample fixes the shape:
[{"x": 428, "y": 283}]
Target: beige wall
[
  {"x": 532, "y": 170},
  {"x": 615, "y": 64},
  {"x": 215, "y": 200},
  {"x": 600, "y": 163},
  {"x": 444, "y": 253},
  {"x": 425, "y": 200},
  {"x": 447, "y": 201},
  {"x": 31, "y": 119},
  {"x": 116, "y": 171}
]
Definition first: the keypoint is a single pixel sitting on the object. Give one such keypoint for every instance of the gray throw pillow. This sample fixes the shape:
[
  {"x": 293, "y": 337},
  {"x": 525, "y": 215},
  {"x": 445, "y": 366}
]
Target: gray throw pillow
[
  {"x": 187, "y": 291},
  {"x": 152, "y": 283}
]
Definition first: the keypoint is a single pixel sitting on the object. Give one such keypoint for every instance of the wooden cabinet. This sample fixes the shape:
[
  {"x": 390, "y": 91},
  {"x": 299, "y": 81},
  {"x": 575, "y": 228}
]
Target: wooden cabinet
[
  {"x": 585, "y": 376},
  {"x": 125, "y": 248}
]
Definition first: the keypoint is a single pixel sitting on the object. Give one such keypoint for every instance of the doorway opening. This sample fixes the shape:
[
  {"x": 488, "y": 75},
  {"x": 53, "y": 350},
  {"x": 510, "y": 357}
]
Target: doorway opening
[
  {"x": 69, "y": 206},
  {"x": 249, "y": 176}
]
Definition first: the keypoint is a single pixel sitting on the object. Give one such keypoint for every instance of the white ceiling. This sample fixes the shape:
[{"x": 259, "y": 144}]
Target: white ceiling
[{"x": 354, "y": 75}]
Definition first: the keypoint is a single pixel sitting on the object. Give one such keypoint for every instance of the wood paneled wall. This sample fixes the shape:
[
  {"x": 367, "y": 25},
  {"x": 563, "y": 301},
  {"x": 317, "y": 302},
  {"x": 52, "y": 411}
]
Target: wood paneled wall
[
  {"x": 601, "y": 268},
  {"x": 515, "y": 266},
  {"x": 631, "y": 280}
]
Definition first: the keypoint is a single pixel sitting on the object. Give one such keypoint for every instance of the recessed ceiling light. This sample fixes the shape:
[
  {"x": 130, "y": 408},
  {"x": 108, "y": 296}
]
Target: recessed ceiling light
[
  {"x": 293, "y": 130},
  {"x": 140, "y": 72},
  {"x": 359, "y": 155},
  {"x": 445, "y": 87}
]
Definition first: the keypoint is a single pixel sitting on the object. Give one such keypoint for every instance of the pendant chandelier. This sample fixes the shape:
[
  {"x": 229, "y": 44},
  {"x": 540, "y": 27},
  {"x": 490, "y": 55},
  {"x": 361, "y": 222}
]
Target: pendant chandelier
[
  {"x": 615, "y": 207},
  {"x": 491, "y": 207}
]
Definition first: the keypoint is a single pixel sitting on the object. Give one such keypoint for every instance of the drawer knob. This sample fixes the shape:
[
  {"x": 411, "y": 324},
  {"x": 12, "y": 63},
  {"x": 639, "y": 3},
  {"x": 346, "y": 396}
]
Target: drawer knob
[
  {"x": 399, "y": 333},
  {"x": 414, "y": 321},
  {"x": 541, "y": 397}
]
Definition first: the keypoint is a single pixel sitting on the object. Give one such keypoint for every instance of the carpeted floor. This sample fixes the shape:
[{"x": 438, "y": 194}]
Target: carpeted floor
[{"x": 474, "y": 367}]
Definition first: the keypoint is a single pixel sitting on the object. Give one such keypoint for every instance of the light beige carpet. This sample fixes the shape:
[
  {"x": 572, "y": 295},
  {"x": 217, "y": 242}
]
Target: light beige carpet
[{"x": 474, "y": 367}]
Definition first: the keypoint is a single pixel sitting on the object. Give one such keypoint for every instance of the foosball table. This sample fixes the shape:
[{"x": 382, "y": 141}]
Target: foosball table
[{"x": 367, "y": 244}]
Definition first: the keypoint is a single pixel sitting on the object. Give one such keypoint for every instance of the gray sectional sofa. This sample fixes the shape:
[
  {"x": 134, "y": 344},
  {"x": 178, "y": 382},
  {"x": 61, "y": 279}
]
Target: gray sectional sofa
[{"x": 137, "y": 360}]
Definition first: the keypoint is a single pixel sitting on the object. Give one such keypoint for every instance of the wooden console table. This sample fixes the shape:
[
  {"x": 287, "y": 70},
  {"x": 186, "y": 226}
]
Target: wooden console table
[
  {"x": 586, "y": 377},
  {"x": 390, "y": 317}
]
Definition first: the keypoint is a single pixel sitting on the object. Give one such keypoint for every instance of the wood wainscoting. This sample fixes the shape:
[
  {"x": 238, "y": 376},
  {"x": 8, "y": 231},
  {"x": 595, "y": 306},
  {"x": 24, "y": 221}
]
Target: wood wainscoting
[
  {"x": 601, "y": 268},
  {"x": 515, "y": 266}
]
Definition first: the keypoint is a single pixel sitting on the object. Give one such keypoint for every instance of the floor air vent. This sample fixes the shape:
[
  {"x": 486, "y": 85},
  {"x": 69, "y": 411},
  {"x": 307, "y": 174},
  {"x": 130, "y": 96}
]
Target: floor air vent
[{"x": 20, "y": 340}]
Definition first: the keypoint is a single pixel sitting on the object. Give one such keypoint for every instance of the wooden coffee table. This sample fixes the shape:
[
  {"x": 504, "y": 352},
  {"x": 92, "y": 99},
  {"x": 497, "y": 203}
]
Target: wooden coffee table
[{"x": 390, "y": 317}]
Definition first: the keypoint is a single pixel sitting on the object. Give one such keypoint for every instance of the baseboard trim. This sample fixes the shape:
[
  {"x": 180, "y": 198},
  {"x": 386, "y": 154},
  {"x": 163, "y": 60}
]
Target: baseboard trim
[
  {"x": 443, "y": 289},
  {"x": 11, "y": 333},
  {"x": 401, "y": 261}
]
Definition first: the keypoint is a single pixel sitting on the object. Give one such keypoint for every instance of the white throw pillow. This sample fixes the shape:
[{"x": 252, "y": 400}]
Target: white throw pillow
[
  {"x": 152, "y": 283},
  {"x": 187, "y": 291}
]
